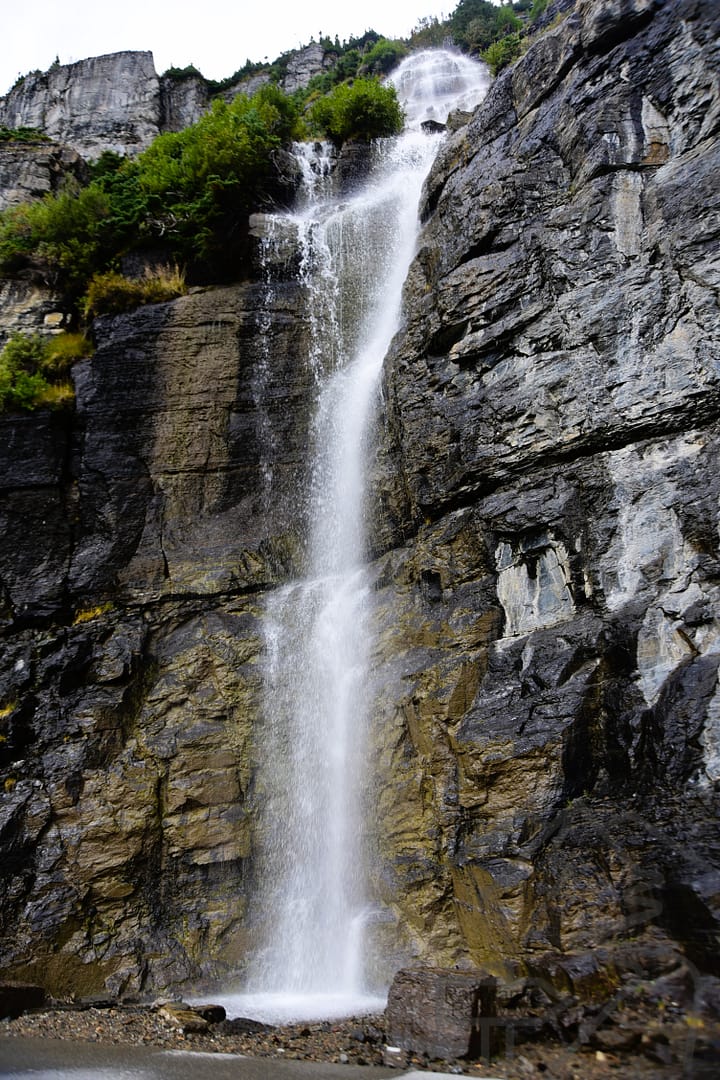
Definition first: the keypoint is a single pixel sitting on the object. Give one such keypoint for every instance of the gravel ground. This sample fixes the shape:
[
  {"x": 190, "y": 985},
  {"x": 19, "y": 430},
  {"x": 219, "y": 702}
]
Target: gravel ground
[{"x": 358, "y": 1041}]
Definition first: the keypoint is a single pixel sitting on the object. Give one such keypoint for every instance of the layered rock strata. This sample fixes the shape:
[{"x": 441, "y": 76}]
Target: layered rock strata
[
  {"x": 132, "y": 639},
  {"x": 547, "y": 735},
  {"x": 549, "y": 646}
]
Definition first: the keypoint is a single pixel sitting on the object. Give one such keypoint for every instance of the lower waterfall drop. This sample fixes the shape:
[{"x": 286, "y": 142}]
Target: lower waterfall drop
[{"x": 313, "y": 906}]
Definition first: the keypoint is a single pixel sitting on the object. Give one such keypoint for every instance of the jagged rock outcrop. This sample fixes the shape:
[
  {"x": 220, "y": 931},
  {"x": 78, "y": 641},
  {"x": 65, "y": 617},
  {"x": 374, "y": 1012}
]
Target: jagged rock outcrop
[
  {"x": 29, "y": 307},
  {"x": 182, "y": 101},
  {"x": 549, "y": 633},
  {"x": 547, "y": 739},
  {"x": 29, "y": 171},
  {"x": 107, "y": 102},
  {"x": 130, "y": 662},
  {"x": 304, "y": 65}
]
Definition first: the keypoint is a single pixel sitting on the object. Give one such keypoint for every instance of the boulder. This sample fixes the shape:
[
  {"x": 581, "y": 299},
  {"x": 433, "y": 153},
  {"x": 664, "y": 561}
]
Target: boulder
[{"x": 441, "y": 1012}]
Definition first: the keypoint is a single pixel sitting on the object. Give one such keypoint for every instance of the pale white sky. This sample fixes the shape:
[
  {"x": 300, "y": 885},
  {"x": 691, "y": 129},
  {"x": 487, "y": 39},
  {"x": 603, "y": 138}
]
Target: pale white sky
[{"x": 215, "y": 35}]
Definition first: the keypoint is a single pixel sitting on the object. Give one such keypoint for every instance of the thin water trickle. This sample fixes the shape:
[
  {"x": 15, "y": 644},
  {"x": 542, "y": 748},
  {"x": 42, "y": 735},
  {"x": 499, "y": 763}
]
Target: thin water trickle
[{"x": 312, "y": 910}]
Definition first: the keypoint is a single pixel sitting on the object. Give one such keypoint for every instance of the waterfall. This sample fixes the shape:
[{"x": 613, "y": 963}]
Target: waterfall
[{"x": 313, "y": 905}]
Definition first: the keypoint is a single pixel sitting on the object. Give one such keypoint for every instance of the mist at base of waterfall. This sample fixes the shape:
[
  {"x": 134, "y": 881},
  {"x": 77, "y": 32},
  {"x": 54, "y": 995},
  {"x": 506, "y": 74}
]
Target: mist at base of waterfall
[{"x": 292, "y": 1008}]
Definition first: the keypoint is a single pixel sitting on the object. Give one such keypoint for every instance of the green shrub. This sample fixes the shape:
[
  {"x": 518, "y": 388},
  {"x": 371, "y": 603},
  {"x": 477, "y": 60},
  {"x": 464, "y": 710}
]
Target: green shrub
[
  {"x": 111, "y": 293},
  {"x": 21, "y": 383},
  {"x": 199, "y": 184},
  {"x": 428, "y": 32},
  {"x": 32, "y": 370},
  {"x": 362, "y": 110},
  {"x": 384, "y": 56},
  {"x": 507, "y": 21},
  {"x": 476, "y": 24},
  {"x": 503, "y": 52},
  {"x": 180, "y": 74},
  {"x": 189, "y": 193},
  {"x": 23, "y": 134},
  {"x": 65, "y": 231}
]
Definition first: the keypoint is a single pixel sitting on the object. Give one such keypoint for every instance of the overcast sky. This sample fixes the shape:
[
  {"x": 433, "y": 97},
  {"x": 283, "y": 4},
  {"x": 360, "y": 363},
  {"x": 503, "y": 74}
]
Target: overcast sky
[{"x": 217, "y": 36}]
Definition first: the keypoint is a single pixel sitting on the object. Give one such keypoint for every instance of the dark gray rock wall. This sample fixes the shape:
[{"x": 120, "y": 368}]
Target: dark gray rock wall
[
  {"x": 547, "y": 742},
  {"x": 138, "y": 537},
  {"x": 548, "y": 495}
]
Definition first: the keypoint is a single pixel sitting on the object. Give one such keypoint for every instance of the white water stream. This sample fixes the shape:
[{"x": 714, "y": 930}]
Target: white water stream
[{"x": 312, "y": 907}]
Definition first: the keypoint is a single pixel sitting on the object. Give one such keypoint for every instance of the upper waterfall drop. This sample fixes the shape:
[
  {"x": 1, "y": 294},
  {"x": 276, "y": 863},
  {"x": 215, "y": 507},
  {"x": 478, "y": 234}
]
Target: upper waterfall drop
[
  {"x": 433, "y": 83},
  {"x": 313, "y": 901}
]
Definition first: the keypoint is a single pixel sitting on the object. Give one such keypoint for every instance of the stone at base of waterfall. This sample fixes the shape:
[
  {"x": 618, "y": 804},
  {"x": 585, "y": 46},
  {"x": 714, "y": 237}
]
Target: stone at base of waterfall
[
  {"x": 184, "y": 1018},
  {"x": 441, "y": 1012},
  {"x": 213, "y": 1014}
]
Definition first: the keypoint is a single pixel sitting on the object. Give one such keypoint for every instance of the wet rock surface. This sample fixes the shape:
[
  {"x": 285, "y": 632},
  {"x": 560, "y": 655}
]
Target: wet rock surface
[
  {"x": 547, "y": 652},
  {"x": 132, "y": 640},
  {"x": 547, "y": 738}
]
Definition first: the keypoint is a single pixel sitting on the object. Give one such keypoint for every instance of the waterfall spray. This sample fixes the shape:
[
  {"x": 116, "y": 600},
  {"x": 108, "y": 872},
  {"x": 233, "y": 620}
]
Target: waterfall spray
[{"x": 312, "y": 905}]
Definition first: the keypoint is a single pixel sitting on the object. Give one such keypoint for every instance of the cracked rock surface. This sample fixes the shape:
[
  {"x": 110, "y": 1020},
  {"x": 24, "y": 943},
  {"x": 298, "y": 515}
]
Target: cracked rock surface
[{"x": 546, "y": 742}]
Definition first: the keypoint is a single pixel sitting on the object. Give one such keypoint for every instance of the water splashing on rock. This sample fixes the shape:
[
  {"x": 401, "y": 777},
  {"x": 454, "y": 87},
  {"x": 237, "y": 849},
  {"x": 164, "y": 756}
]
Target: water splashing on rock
[{"x": 312, "y": 906}]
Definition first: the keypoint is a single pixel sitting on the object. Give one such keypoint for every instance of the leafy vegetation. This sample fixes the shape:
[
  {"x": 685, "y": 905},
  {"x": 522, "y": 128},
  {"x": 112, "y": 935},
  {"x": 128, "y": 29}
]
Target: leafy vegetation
[
  {"x": 477, "y": 24},
  {"x": 23, "y": 135},
  {"x": 363, "y": 109},
  {"x": 186, "y": 199},
  {"x": 384, "y": 56},
  {"x": 33, "y": 370},
  {"x": 180, "y": 74},
  {"x": 501, "y": 53},
  {"x": 64, "y": 231},
  {"x": 428, "y": 32},
  {"x": 189, "y": 193},
  {"x": 111, "y": 293}
]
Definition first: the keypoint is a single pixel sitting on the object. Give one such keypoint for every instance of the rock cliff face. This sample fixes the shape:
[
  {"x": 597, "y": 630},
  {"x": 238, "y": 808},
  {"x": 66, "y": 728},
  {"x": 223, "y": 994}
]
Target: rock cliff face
[
  {"x": 550, "y": 623},
  {"x": 105, "y": 103},
  {"x": 547, "y": 733},
  {"x": 304, "y": 65},
  {"x": 116, "y": 102},
  {"x": 130, "y": 671},
  {"x": 29, "y": 171}
]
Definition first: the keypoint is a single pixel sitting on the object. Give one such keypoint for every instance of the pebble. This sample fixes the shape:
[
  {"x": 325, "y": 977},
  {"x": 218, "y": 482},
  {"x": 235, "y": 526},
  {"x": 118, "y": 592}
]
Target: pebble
[{"x": 356, "y": 1041}]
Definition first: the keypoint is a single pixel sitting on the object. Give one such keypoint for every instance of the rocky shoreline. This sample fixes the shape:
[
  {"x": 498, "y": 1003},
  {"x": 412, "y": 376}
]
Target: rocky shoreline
[{"x": 672, "y": 1046}]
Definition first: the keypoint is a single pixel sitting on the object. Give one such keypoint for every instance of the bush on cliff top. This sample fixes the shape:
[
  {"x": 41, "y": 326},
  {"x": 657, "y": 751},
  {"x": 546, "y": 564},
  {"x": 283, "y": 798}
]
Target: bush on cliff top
[
  {"x": 190, "y": 193},
  {"x": 363, "y": 109}
]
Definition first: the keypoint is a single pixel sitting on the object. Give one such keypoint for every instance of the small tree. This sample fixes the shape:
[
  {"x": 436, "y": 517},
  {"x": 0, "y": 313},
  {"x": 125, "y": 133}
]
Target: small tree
[
  {"x": 362, "y": 110},
  {"x": 502, "y": 52},
  {"x": 384, "y": 56}
]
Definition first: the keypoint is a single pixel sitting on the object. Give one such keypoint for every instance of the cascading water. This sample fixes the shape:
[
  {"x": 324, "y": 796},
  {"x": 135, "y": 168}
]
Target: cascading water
[{"x": 312, "y": 905}]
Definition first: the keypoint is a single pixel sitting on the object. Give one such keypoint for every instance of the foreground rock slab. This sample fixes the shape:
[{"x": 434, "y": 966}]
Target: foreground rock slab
[{"x": 440, "y": 1012}]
